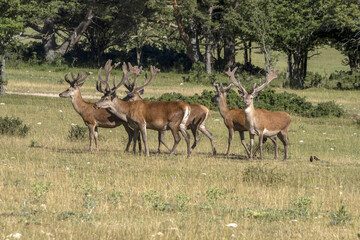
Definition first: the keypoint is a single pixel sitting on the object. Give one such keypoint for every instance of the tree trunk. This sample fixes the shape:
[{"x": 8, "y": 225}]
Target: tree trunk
[
  {"x": 3, "y": 79},
  {"x": 190, "y": 38},
  {"x": 298, "y": 69},
  {"x": 229, "y": 52},
  {"x": 49, "y": 41}
]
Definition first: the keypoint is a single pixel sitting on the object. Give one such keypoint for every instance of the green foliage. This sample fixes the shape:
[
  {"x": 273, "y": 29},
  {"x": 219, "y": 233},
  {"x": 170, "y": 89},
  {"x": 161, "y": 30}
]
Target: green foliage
[
  {"x": 181, "y": 201},
  {"x": 341, "y": 216},
  {"x": 40, "y": 190},
  {"x": 267, "y": 99},
  {"x": 77, "y": 133},
  {"x": 154, "y": 199},
  {"x": 13, "y": 126},
  {"x": 214, "y": 194},
  {"x": 198, "y": 75},
  {"x": 344, "y": 80},
  {"x": 301, "y": 207},
  {"x": 262, "y": 175}
]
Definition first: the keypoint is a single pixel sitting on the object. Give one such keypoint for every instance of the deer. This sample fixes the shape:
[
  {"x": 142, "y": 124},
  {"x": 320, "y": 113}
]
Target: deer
[
  {"x": 93, "y": 118},
  {"x": 143, "y": 115},
  {"x": 234, "y": 119},
  {"x": 260, "y": 121},
  {"x": 196, "y": 121}
]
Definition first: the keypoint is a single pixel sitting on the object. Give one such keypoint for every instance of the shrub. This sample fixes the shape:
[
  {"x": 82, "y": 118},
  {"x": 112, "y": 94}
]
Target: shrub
[
  {"x": 13, "y": 126},
  {"x": 267, "y": 99},
  {"x": 77, "y": 133},
  {"x": 155, "y": 200},
  {"x": 344, "y": 80}
]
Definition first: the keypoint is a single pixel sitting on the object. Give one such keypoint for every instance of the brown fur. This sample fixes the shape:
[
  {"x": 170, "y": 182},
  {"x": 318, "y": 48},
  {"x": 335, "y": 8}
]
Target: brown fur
[{"x": 94, "y": 118}]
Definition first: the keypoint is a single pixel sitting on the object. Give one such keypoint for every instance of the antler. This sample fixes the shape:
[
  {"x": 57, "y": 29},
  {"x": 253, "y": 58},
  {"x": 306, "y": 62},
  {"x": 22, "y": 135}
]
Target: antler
[
  {"x": 237, "y": 83},
  {"x": 79, "y": 80},
  {"x": 153, "y": 72},
  {"x": 131, "y": 85},
  {"x": 216, "y": 85},
  {"x": 108, "y": 68},
  {"x": 228, "y": 87},
  {"x": 269, "y": 77}
]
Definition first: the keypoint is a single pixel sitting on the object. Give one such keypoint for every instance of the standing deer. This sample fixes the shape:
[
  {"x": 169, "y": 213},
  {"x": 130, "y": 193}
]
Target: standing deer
[
  {"x": 262, "y": 122},
  {"x": 196, "y": 121},
  {"x": 93, "y": 118},
  {"x": 234, "y": 119},
  {"x": 142, "y": 115}
]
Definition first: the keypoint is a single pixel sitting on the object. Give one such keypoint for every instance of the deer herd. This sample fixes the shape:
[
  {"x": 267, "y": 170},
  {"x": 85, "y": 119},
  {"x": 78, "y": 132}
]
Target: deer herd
[{"x": 137, "y": 115}]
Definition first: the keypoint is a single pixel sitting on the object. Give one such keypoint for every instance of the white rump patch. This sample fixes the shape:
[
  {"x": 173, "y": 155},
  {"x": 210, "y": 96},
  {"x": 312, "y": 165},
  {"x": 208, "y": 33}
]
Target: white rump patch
[{"x": 185, "y": 119}]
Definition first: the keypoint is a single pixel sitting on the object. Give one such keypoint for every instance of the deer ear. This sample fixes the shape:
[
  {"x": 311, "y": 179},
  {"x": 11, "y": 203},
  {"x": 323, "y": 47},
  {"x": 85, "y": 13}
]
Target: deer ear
[
  {"x": 80, "y": 85},
  {"x": 255, "y": 94},
  {"x": 241, "y": 93},
  {"x": 141, "y": 92}
]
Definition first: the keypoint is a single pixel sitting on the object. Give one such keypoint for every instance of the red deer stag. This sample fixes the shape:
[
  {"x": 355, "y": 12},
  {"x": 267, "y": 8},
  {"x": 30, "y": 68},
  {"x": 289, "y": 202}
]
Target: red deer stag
[
  {"x": 259, "y": 121},
  {"x": 159, "y": 115},
  {"x": 196, "y": 121},
  {"x": 234, "y": 119},
  {"x": 93, "y": 118}
]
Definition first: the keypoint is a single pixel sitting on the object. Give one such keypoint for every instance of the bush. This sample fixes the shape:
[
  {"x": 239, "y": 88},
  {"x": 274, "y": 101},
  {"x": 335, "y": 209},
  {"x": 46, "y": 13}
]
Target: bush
[
  {"x": 344, "y": 80},
  {"x": 267, "y": 99},
  {"x": 13, "y": 126},
  {"x": 77, "y": 133}
]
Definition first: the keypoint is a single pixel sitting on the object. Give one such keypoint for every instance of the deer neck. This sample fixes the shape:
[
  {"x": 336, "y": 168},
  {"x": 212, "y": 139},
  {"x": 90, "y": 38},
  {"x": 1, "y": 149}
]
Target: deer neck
[
  {"x": 250, "y": 118},
  {"x": 78, "y": 102},
  {"x": 223, "y": 107},
  {"x": 120, "y": 108}
]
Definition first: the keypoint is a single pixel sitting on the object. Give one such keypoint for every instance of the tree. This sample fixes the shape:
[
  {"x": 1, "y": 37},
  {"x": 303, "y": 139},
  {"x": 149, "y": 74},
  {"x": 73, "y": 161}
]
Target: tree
[
  {"x": 296, "y": 29},
  {"x": 343, "y": 29},
  {"x": 57, "y": 21},
  {"x": 10, "y": 26}
]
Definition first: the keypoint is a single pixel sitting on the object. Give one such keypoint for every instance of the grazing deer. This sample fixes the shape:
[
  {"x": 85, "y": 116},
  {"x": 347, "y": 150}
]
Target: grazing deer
[
  {"x": 259, "y": 121},
  {"x": 234, "y": 119},
  {"x": 93, "y": 118},
  {"x": 196, "y": 121},
  {"x": 158, "y": 115}
]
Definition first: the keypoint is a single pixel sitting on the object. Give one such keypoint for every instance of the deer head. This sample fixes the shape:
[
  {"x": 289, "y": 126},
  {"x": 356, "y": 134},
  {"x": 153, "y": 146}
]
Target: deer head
[
  {"x": 134, "y": 92},
  {"x": 75, "y": 84},
  {"x": 249, "y": 97},
  {"x": 221, "y": 92},
  {"x": 110, "y": 93}
]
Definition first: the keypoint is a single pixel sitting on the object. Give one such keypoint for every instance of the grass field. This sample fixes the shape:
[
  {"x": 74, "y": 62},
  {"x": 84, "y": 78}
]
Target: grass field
[{"x": 52, "y": 188}]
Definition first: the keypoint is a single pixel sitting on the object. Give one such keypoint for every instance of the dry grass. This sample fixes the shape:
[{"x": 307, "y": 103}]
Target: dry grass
[{"x": 53, "y": 188}]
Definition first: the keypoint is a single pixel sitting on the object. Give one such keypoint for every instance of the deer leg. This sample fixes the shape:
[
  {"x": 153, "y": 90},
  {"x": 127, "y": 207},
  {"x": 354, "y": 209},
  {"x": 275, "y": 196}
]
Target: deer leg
[
  {"x": 91, "y": 136},
  {"x": 161, "y": 138},
  {"x": 242, "y": 138},
  {"x": 96, "y": 134},
  {"x": 251, "y": 144},
  {"x": 274, "y": 140},
  {"x": 144, "y": 137},
  {"x": 231, "y": 134},
  {"x": 130, "y": 134},
  {"x": 283, "y": 136},
  {"x": 176, "y": 135},
  {"x": 264, "y": 141},
  {"x": 135, "y": 137},
  {"x": 196, "y": 135},
  {"x": 261, "y": 137},
  {"x": 186, "y": 135},
  {"x": 210, "y": 136}
]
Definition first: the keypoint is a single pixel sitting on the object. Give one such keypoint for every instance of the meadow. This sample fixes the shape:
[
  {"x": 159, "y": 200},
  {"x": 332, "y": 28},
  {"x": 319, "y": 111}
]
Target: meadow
[{"x": 53, "y": 188}]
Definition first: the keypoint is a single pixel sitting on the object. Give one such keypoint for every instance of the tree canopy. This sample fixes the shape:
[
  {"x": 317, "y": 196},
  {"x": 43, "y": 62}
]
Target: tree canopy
[{"x": 210, "y": 32}]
